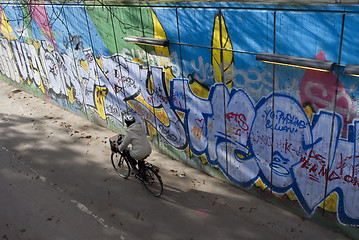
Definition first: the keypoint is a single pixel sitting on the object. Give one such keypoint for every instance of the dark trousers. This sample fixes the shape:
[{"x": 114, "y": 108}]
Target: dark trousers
[{"x": 133, "y": 161}]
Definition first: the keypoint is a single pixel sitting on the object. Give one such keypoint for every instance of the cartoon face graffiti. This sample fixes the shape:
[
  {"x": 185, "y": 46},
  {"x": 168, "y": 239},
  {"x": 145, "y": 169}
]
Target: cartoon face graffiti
[
  {"x": 290, "y": 127},
  {"x": 279, "y": 165}
]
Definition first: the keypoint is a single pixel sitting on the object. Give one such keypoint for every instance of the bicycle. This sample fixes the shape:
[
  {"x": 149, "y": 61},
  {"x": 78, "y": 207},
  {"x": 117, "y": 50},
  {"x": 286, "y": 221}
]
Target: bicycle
[{"x": 148, "y": 175}]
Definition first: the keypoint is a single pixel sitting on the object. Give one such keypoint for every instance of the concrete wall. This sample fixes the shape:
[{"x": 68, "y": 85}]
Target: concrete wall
[{"x": 205, "y": 100}]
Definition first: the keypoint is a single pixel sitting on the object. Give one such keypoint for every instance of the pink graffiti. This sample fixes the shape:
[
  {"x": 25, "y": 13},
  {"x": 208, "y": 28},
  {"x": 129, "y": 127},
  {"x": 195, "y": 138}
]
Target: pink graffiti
[
  {"x": 39, "y": 14},
  {"x": 318, "y": 89},
  {"x": 202, "y": 213}
]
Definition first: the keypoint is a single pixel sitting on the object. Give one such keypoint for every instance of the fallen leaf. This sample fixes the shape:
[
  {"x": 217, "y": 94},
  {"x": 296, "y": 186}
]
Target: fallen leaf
[{"x": 252, "y": 208}]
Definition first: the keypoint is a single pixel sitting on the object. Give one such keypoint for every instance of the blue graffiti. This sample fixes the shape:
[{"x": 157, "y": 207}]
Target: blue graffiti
[{"x": 242, "y": 147}]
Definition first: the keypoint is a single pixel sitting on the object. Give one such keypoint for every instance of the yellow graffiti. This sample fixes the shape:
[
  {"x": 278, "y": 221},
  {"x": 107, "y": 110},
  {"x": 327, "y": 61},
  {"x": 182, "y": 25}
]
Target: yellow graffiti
[
  {"x": 180, "y": 114},
  {"x": 330, "y": 202},
  {"x": 99, "y": 61},
  {"x": 291, "y": 195},
  {"x": 137, "y": 60},
  {"x": 159, "y": 33},
  {"x": 240, "y": 155},
  {"x": 151, "y": 130},
  {"x": 150, "y": 85},
  {"x": 85, "y": 65},
  {"x": 130, "y": 103},
  {"x": 260, "y": 184},
  {"x": 198, "y": 89},
  {"x": 222, "y": 56},
  {"x": 36, "y": 44},
  {"x": 6, "y": 29},
  {"x": 71, "y": 95},
  {"x": 169, "y": 76},
  {"x": 159, "y": 113},
  {"x": 42, "y": 86},
  {"x": 100, "y": 94},
  {"x": 188, "y": 152},
  {"x": 203, "y": 159},
  {"x": 309, "y": 111}
]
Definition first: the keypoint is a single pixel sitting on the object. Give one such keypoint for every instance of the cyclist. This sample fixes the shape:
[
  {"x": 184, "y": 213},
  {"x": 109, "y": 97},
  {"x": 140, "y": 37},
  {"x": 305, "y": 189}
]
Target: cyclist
[{"x": 136, "y": 136}]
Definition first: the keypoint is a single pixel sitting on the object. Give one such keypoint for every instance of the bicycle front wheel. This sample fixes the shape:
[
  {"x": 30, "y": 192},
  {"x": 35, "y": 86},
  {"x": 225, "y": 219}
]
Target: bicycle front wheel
[
  {"x": 152, "y": 181},
  {"x": 120, "y": 164}
]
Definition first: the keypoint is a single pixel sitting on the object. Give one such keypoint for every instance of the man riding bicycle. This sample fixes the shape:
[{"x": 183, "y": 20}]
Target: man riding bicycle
[{"x": 136, "y": 136}]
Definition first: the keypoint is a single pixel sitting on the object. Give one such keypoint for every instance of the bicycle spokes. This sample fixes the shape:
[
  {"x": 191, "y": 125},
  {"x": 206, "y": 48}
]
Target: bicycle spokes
[{"x": 153, "y": 182}]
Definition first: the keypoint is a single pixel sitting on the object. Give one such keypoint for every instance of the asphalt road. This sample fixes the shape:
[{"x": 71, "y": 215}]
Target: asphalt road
[{"x": 57, "y": 182}]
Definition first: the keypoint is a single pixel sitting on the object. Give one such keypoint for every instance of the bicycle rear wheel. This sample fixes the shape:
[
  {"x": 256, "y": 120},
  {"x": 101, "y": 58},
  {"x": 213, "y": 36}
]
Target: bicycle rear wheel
[
  {"x": 152, "y": 181},
  {"x": 120, "y": 164}
]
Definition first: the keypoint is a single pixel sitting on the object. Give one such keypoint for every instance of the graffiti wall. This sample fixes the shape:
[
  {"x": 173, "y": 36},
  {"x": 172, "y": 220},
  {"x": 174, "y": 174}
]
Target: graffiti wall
[{"x": 205, "y": 99}]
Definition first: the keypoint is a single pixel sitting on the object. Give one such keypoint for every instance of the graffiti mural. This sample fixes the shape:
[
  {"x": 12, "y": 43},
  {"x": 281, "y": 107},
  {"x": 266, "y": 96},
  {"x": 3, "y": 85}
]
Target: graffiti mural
[{"x": 292, "y": 131}]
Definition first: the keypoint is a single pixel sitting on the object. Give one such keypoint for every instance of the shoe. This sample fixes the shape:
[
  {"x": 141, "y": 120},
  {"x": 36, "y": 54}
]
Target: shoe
[
  {"x": 145, "y": 181},
  {"x": 134, "y": 172}
]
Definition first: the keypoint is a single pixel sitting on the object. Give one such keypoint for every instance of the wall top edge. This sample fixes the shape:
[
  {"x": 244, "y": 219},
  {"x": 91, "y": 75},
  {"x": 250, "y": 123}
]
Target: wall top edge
[{"x": 297, "y": 5}]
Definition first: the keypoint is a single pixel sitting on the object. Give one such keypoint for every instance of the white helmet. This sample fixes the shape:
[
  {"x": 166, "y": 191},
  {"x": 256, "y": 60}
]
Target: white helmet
[{"x": 129, "y": 119}]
